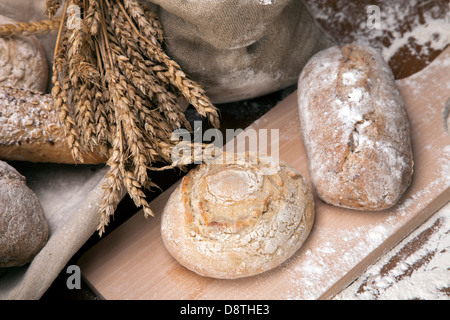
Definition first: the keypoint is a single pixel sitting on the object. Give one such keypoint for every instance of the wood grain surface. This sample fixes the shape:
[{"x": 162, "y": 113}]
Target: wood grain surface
[{"x": 132, "y": 263}]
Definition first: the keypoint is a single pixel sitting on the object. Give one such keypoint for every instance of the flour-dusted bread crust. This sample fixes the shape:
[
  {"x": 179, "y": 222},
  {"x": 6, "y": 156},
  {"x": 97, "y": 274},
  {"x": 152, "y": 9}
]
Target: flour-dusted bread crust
[
  {"x": 24, "y": 229},
  {"x": 23, "y": 63},
  {"x": 230, "y": 220},
  {"x": 355, "y": 128},
  {"x": 30, "y": 130}
]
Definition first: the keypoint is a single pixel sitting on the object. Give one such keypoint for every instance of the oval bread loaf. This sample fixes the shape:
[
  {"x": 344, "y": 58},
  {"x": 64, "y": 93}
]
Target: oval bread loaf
[
  {"x": 355, "y": 128},
  {"x": 231, "y": 220}
]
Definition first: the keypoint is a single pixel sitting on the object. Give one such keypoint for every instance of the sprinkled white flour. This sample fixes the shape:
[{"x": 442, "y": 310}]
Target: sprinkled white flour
[
  {"x": 355, "y": 95},
  {"x": 348, "y": 115},
  {"x": 416, "y": 27},
  {"x": 265, "y": 2},
  {"x": 446, "y": 164},
  {"x": 327, "y": 267},
  {"x": 418, "y": 35},
  {"x": 405, "y": 274},
  {"x": 350, "y": 77},
  {"x": 26, "y": 117}
]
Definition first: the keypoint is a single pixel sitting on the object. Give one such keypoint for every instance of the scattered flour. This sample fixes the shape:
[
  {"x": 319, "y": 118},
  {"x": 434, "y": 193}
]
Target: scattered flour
[
  {"x": 446, "y": 164},
  {"x": 404, "y": 275},
  {"x": 351, "y": 77},
  {"x": 355, "y": 95},
  {"x": 326, "y": 267},
  {"x": 415, "y": 26},
  {"x": 439, "y": 29},
  {"x": 26, "y": 117},
  {"x": 265, "y": 2}
]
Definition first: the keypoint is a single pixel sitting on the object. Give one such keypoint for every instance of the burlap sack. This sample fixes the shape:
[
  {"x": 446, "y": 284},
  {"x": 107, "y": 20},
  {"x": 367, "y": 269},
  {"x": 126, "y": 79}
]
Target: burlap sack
[
  {"x": 237, "y": 49},
  {"x": 241, "y": 49}
]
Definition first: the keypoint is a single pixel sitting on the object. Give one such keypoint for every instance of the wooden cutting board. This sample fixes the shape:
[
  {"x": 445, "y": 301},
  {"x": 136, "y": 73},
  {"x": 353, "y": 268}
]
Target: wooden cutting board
[{"x": 132, "y": 263}]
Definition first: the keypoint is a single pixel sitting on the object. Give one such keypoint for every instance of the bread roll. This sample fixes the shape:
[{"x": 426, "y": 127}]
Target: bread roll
[
  {"x": 30, "y": 130},
  {"x": 237, "y": 219},
  {"x": 355, "y": 128}
]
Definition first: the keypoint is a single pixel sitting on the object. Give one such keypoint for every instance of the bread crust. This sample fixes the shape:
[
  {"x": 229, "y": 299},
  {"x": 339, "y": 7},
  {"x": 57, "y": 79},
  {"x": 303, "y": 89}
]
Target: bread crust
[
  {"x": 24, "y": 229},
  {"x": 30, "y": 130},
  {"x": 23, "y": 63},
  {"x": 232, "y": 220},
  {"x": 355, "y": 129}
]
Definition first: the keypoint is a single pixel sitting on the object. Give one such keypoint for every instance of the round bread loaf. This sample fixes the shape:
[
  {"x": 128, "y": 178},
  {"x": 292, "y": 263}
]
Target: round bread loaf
[
  {"x": 355, "y": 128},
  {"x": 23, "y": 63},
  {"x": 24, "y": 229},
  {"x": 232, "y": 219}
]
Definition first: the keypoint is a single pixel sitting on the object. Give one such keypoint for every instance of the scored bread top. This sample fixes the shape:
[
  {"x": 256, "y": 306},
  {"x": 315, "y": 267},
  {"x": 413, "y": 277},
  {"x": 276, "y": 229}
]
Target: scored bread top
[
  {"x": 239, "y": 218},
  {"x": 355, "y": 128}
]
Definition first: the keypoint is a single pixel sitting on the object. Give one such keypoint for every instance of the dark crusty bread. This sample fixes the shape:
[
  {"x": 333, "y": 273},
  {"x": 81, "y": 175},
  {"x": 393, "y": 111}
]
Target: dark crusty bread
[
  {"x": 355, "y": 128},
  {"x": 24, "y": 229}
]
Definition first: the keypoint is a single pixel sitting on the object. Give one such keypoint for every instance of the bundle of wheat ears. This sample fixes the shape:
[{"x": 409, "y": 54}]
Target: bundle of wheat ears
[{"x": 117, "y": 92}]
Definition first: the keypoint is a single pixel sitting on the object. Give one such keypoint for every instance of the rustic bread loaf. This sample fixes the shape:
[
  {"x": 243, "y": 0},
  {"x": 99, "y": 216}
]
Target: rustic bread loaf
[
  {"x": 23, "y": 63},
  {"x": 23, "y": 227},
  {"x": 355, "y": 128},
  {"x": 30, "y": 130},
  {"x": 237, "y": 218}
]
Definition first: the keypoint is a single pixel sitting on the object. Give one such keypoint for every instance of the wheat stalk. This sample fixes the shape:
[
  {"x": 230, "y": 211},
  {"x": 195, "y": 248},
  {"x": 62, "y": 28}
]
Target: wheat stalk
[
  {"x": 136, "y": 12},
  {"x": 188, "y": 88},
  {"x": 116, "y": 92},
  {"x": 51, "y": 6},
  {"x": 142, "y": 76},
  {"x": 92, "y": 16},
  {"x": 29, "y": 28}
]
